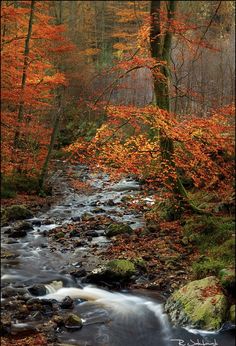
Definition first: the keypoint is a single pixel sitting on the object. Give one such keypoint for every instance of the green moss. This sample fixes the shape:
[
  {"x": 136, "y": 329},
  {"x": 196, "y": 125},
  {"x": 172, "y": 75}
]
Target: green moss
[
  {"x": 200, "y": 303},
  {"x": 59, "y": 235},
  {"x": 16, "y": 212},
  {"x": 232, "y": 314},
  {"x": 227, "y": 278},
  {"x": 73, "y": 321},
  {"x": 207, "y": 266},
  {"x": 118, "y": 228},
  {"x": 213, "y": 236},
  {"x": 121, "y": 268}
]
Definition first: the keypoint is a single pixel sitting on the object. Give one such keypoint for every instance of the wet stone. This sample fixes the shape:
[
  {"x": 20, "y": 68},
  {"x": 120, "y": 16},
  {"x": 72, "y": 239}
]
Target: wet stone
[
  {"x": 67, "y": 303},
  {"x": 73, "y": 321},
  {"x": 12, "y": 292},
  {"x": 76, "y": 218},
  {"x": 78, "y": 273},
  {"x": 91, "y": 234},
  {"x": 36, "y": 222},
  {"x": 24, "y": 225},
  {"x": 47, "y": 222},
  {"x": 18, "y": 234},
  {"x": 74, "y": 233},
  {"x": 38, "y": 290}
]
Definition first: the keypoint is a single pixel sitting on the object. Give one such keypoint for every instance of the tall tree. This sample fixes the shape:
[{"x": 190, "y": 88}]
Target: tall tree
[
  {"x": 24, "y": 72},
  {"x": 160, "y": 43}
]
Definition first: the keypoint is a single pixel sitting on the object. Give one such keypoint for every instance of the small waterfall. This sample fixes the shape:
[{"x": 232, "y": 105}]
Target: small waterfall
[
  {"x": 120, "y": 303},
  {"x": 53, "y": 286}
]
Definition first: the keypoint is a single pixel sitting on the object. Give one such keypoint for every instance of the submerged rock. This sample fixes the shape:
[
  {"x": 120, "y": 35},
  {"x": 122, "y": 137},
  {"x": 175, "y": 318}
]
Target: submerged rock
[
  {"x": 200, "y": 304},
  {"x": 73, "y": 321},
  {"x": 118, "y": 228}
]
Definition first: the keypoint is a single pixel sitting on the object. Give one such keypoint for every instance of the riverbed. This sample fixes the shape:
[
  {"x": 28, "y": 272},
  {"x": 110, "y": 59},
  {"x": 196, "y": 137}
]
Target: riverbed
[{"x": 110, "y": 318}]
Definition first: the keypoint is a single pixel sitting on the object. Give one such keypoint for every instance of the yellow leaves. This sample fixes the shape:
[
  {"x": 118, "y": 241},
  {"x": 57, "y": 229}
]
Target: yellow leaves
[
  {"x": 90, "y": 51},
  {"x": 121, "y": 46}
]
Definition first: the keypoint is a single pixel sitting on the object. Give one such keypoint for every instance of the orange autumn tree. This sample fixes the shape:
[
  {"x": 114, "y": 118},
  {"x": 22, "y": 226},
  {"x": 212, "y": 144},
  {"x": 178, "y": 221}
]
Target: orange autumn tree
[
  {"x": 29, "y": 80},
  {"x": 152, "y": 142}
]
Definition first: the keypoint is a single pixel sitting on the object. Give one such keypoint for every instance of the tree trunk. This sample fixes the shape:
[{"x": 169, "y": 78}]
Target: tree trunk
[
  {"x": 60, "y": 91},
  {"x": 161, "y": 50},
  {"x": 44, "y": 170},
  {"x": 24, "y": 74}
]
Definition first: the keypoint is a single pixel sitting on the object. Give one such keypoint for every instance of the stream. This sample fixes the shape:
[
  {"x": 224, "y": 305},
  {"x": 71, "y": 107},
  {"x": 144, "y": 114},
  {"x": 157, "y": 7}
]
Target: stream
[{"x": 110, "y": 318}]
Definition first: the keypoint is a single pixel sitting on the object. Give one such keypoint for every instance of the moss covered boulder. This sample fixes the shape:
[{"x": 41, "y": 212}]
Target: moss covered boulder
[
  {"x": 200, "y": 304},
  {"x": 16, "y": 212},
  {"x": 114, "y": 272},
  {"x": 118, "y": 228},
  {"x": 120, "y": 269}
]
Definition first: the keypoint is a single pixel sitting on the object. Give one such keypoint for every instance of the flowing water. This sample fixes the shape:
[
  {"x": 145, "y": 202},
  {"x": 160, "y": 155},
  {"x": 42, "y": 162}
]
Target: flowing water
[{"x": 109, "y": 318}]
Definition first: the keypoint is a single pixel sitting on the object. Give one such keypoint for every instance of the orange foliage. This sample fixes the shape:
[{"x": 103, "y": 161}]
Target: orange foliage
[
  {"x": 41, "y": 79},
  {"x": 203, "y": 147}
]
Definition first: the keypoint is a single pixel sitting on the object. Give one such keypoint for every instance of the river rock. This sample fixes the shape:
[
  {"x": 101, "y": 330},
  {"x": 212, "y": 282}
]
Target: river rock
[
  {"x": 110, "y": 203},
  {"x": 47, "y": 222},
  {"x": 76, "y": 218},
  {"x": 78, "y": 273},
  {"x": 114, "y": 271},
  {"x": 5, "y": 325},
  {"x": 73, "y": 321},
  {"x": 8, "y": 254},
  {"x": 16, "y": 212},
  {"x": 67, "y": 303},
  {"x": 118, "y": 228},
  {"x": 37, "y": 290},
  {"x": 23, "y": 226},
  {"x": 200, "y": 304},
  {"x": 232, "y": 314},
  {"x": 91, "y": 234},
  {"x": 87, "y": 217},
  {"x": 74, "y": 233},
  {"x": 23, "y": 329},
  {"x": 17, "y": 234},
  {"x": 36, "y": 222},
  {"x": 13, "y": 292}
]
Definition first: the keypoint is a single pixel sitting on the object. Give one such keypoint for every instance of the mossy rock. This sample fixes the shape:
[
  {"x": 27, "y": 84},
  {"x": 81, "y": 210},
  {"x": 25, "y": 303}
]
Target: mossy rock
[
  {"x": 87, "y": 217},
  {"x": 232, "y": 314},
  {"x": 200, "y": 304},
  {"x": 73, "y": 321},
  {"x": 227, "y": 279},
  {"x": 118, "y": 228},
  {"x": 59, "y": 235},
  {"x": 16, "y": 212},
  {"x": 122, "y": 269},
  {"x": 23, "y": 225},
  {"x": 115, "y": 271}
]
